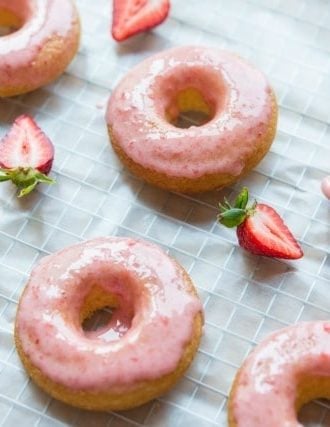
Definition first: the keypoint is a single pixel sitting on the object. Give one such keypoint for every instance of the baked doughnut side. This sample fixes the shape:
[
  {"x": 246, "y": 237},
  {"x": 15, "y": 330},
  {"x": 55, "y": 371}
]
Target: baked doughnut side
[
  {"x": 142, "y": 392},
  {"x": 205, "y": 182}
]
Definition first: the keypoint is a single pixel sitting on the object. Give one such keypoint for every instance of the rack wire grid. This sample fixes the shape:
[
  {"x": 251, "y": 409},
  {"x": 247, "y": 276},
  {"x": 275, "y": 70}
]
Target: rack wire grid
[{"x": 245, "y": 297}]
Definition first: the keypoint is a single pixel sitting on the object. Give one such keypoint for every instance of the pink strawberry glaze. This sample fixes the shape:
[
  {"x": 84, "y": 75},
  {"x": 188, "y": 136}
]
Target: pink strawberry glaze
[
  {"x": 325, "y": 186},
  {"x": 42, "y": 20},
  {"x": 266, "y": 386},
  {"x": 148, "y": 331},
  {"x": 238, "y": 92}
]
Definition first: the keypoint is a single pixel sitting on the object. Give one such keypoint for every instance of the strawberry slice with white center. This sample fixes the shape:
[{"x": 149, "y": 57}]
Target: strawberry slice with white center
[
  {"x": 131, "y": 17},
  {"x": 26, "y": 155},
  {"x": 260, "y": 229}
]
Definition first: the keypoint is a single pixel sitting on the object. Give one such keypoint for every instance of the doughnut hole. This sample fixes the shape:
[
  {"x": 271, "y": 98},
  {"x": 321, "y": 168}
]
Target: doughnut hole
[
  {"x": 190, "y": 97},
  {"x": 190, "y": 109},
  {"x": 105, "y": 316},
  {"x": 12, "y": 16},
  {"x": 310, "y": 388}
]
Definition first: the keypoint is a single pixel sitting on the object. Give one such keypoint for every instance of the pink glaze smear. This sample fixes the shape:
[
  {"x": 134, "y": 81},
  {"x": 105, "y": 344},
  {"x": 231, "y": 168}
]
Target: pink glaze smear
[
  {"x": 42, "y": 20},
  {"x": 325, "y": 186},
  {"x": 266, "y": 386},
  {"x": 147, "y": 333},
  {"x": 238, "y": 93}
]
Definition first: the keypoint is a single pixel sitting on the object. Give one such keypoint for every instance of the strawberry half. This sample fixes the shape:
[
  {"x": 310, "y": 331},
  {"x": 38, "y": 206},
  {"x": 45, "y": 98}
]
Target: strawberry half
[
  {"x": 134, "y": 16},
  {"x": 260, "y": 229},
  {"x": 26, "y": 155}
]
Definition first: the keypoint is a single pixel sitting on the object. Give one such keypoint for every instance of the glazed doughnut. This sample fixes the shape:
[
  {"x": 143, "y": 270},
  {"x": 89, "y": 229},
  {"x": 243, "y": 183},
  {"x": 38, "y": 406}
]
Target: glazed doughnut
[
  {"x": 150, "y": 341},
  {"x": 288, "y": 369},
  {"x": 235, "y": 97},
  {"x": 45, "y": 42}
]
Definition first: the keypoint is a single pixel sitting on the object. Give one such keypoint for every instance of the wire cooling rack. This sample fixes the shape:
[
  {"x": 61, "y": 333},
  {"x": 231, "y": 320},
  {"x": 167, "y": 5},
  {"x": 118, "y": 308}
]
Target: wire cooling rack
[{"x": 245, "y": 297}]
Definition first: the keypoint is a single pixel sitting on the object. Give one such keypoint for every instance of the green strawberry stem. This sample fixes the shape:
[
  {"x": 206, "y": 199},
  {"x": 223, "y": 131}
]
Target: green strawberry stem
[
  {"x": 26, "y": 179},
  {"x": 232, "y": 216}
]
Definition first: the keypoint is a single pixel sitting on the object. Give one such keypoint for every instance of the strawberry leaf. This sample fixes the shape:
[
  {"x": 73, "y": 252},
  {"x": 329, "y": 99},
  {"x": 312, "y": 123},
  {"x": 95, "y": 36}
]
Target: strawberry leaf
[
  {"x": 41, "y": 177},
  {"x": 27, "y": 190},
  {"x": 242, "y": 199},
  {"x": 26, "y": 179},
  {"x": 232, "y": 217},
  {"x": 4, "y": 176}
]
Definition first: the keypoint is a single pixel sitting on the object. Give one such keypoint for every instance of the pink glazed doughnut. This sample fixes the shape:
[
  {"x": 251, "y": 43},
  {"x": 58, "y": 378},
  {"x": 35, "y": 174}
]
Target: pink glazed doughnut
[
  {"x": 45, "y": 41},
  {"x": 146, "y": 347},
  {"x": 235, "y": 97},
  {"x": 288, "y": 369}
]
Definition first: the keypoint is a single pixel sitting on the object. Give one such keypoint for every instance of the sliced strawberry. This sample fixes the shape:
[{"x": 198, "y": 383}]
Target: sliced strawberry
[
  {"x": 260, "y": 229},
  {"x": 134, "y": 16},
  {"x": 264, "y": 233},
  {"x": 26, "y": 155}
]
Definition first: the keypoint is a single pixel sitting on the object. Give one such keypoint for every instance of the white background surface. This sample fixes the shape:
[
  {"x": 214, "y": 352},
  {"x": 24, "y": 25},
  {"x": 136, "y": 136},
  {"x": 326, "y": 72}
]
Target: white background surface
[{"x": 245, "y": 297}]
